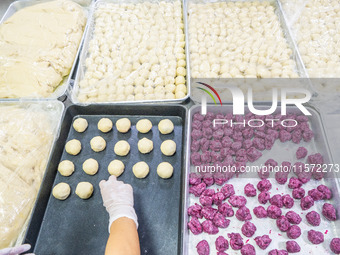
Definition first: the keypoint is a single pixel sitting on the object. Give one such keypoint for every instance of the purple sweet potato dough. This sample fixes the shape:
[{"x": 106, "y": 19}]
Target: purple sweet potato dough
[
  {"x": 206, "y": 157},
  {"x": 218, "y": 134},
  {"x": 260, "y": 134},
  {"x": 286, "y": 166},
  {"x": 220, "y": 178},
  {"x": 195, "y": 146},
  {"x": 249, "y": 190},
  {"x": 260, "y": 212},
  {"x": 263, "y": 241},
  {"x": 264, "y": 172},
  {"x": 196, "y": 134},
  {"x": 263, "y": 197},
  {"x": 335, "y": 245},
  {"x": 209, "y": 227},
  {"x": 195, "y": 179},
  {"x": 304, "y": 176},
  {"x": 269, "y": 141},
  {"x": 207, "y": 132},
  {"x": 208, "y": 192},
  {"x": 284, "y": 136},
  {"x": 301, "y": 152},
  {"x": 306, "y": 202},
  {"x": 205, "y": 144},
  {"x": 215, "y": 145},
  {"x": 228, "y": 190},
  {"x": 197, "y": 190},
  {"x": 325, "y": 191},
  {"x": 226, "y": 210},
  {"x": 283, "y": 223},
  {"x": 195, "y": 158},
  {"x": 215, "y": 156},
  {"x": 205, "y": 200},
  {"x": 271, "y": 162},
  {"x": 237, "y": 201},
  {"x": 218, "y": 198},
  {"x": 299, "y": 167},
  {"x": 329, "y": 212},
  {"x": 210, "y": 116},
  {"x": 315, "y": 237},
  {"x": 243, "y": 214},
  {"x": 278, "y": 252},
  {"x": 287, "y": 201},
  {"x": 208, "y": 179},
  {"x": 208, "y": 212},
  {"x": 248, "y": 249},
  {"x": 221, "y": 244},
  {"x": 247, "y": 144},
  {"x": 196, "y": 124},
  {"x": 198, "y": 116},
  {"x": 195, "y": 226},
  {"x": 317, "y": 173},
  {"x": 297, "y": 136},
  {"x": 292, "y": 247},
  {"x": 274, "y": 212},
  {"x": 195, "y": 211},
  {"x": 294, "y": 232},
  {"x": 281, "y": 177},
  {"x": 307, "y": 135},
  {"x": 294, "y": 183},
  {"x": 253, "y": 154},
  {"x": 298, "y": 193},
  {"x": 248, "y": 229},
  {"x": 220, "y": 221},
  {"x": 236, "y": 146},
  {"x": 203, "y": 248},
  {"x": 315, "y": 194},
  {"x": 293, "y": 217},
  {"x": 315, "y": 159},
  {"x": 248, "y": 133},
  {"x": 313, "y": 218},
  {"x": 236, "y": 241},
  {"x": 276, "y": 200},
  {"x": 258, "y": 143},
  {"x": 264, "y": 185}
]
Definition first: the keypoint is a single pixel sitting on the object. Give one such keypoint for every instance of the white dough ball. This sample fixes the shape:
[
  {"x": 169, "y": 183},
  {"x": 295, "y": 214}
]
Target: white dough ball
[
  {"x": 122, "y": 148},
  {"x": 165, "y": 126},
  {"x": 66, "y": 168},
  {"x": 61, "y": 191},
  {"x": 105, "y": 125},
  {"x": 144, "y": 126},
  {"x": 145, "y": 145},
  {"x": 84, "y": 190},
  {"x": 98, "y": 144},
  {"x": 168, "y": 147},
  {"x": 73, "y": 147},
  {"x": 116, "y": 167},
  {"x": 123, "y": 125},
  {"x": 90, "y": 166},
  {"x": 140, "y": 169},
  {"x": 80, "y": 125},
  {"x": 165, "y": 170}
]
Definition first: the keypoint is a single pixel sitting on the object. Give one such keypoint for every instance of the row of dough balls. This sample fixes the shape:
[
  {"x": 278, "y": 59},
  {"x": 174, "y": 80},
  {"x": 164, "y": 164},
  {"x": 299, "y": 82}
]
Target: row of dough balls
[
  {"x": 136, "y": 53},
  {"x": 123, "y": 125},
  {"x": 62, "y": 190},
  {"x": 238, "y": 40}
]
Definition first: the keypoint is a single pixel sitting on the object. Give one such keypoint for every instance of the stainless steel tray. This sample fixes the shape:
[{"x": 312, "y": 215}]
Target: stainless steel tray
[
  {"x": 20, "y": 4},
  {"x": 319, "y": 143},
  {"x": 84, "y": 53}
]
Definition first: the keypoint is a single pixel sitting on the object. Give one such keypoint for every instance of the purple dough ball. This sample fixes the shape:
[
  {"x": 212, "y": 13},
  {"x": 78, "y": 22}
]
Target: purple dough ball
[
  {"x": 248, "y": 249},
  {"x": 208, "y": 192},
  {"x": 195, "y": 146},
  {"x": 228, "y": 190},
  {"x": 220, "y": 221},
  {"x": 264, "y": 172},
  {"x": 218, "y": 134},
  {"x": 207, "y": 133},
  {"x": 316, "y": 159},
  {"x": 327, "y": 193},
  {"x": 195, "y": 179},
  {"x": 197, "y": 190},
  {"x": 264, "y": 185},
  {"x": 294, "y": 183},
  {"x": 208, "y": 212},
  {"x": 208, "y": 179},
  {"x": 296, "y": 136},
  {"x": 292, "y": 247},
  {"x": 195, "y": 226},
  {"x": 248, "y": 229},
  {"x": 198, "y": 116},
  {"x": 278, "y": 252},
  {"x": 271, "y": 163},
  {"x": 253, "y": 154},
  {"x": 226, "y": 210},
  {"x": 203, "y": 248},
  {"x": 273, "y": 212},
  {"x": 196, "y": 134},
  {"x": 305, "y": 176},
  {"x": 205, "y": 144},
  {"x": 220, "y": 178},
  {"x": 243, "y": 214},
  {"x": 260, "y": 134},
  {"x": 218, "y": 198},
  {"x": 286, "y": 166},
  {"x": 298, "y": 193},
  {"x": 221, "y": 244},
  {"x": 301, "y": 152},
  {"x": 281, "y": 177},
  {"x": 315, "y": 194},
  {"x": 315, "y": 237},
  {"x": 195, "y": 159},
  {"x": 284, "y": 136},
  {"x": 196, "y": 124},
  {"x": 259, "y": 144},
  {"x": 293, "y": 217},
  {"x": 206, "y": 201},
  {"x": 237, "y": 201},
  {"x": 206, "y": 157},
  {"x": 263, "y": 241},
  {"x": 263, "y": 197},
  {"x": 226, "y": 142},
  {"x": 276, "y": 200},
  {"x": 294, "y": 232},
  {"x": 249, "y": 190},
  {"x": 260, "y": 212},
  {"x": 247, "y": 144},
  {"x": 307, "y": 135},
  {"x": 209, "y": 116},
  {"x": 313, "y": 218},
  {"x": 236, "y": 241},
  {"x": 287, "y": 201},
  {"x": 195, "y": 211},
  {"x": 306, "y": 202},
  {"x": 209, "y": 227},
  {"x": 335, "y": 245},
  {"x": 236, "y": 146},
  {"x": 215, "y": 145},
  {"x": 283, "y": 223},
  {"x": 329, "y": 212}
]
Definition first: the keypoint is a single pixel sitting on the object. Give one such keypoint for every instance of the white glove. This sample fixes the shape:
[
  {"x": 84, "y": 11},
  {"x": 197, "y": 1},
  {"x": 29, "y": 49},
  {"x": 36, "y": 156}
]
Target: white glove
[
  {"x": 117, "y": 199},
  {"x": 16, "y": 250}
]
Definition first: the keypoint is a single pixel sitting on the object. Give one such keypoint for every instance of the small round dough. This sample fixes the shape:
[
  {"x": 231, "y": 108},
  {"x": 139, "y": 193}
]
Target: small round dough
[
  {"x": 73, "y": 147},
  {"x": 122, "y": 148},
  {"x": 98, "y": 144},
  {"x": 84, "y": 190},
  {"x": 144, "y": 126},
  {"x": 105, "y": 125},
  {"x": 66, "y": 168},
  {"x": 140, "y": 169},
  {"x": 90, "y": 166},
  {"x": 145, "y": 145},
  {"x": 61, "y": 191},
  {"x": 80, "y": 125},
  {"x": 168, "y": 147},
  {"x": 165, "y": 170},
  {"x": 165, "y": 126},
  {"x": 123, "y": 125},
  {"x": 116, "y": 167}
]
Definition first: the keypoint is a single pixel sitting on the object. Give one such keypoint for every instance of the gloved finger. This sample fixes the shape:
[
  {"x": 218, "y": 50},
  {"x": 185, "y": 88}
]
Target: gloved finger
[
  {"x": 112, "y": 178},
  {"x": 102, "y": 184},
  {"x": 15, "y": 250}
]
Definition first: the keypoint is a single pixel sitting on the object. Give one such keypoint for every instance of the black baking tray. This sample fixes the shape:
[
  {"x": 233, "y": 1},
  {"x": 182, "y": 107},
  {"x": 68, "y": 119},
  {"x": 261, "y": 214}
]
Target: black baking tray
[{"x": 77, "y": 226}]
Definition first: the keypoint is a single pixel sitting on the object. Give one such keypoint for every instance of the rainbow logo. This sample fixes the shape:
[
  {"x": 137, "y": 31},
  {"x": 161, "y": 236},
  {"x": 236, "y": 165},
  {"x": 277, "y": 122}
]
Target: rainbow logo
[{"x": 209, "y": 93}]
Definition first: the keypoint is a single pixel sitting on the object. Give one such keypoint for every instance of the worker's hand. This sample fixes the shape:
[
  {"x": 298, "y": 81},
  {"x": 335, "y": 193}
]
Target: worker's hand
[
  {"x": 16, "y": 250},
  {"x": 118, "y": 199}
]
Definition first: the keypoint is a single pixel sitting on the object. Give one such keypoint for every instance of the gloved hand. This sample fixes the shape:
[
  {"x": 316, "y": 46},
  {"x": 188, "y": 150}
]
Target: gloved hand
[
  {"x": 16, "y": 250},
  {"x": 118, "y": 199}
]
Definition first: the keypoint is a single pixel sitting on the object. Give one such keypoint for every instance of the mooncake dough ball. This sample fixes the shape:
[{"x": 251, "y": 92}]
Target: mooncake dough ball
[
  {"x": 98, "y": 144},
  {"x": 116, "y": 167},
  {"x": 165, "y": 170},
  {"x": 84, "y": 190},
  {"x": 105, "y": 125},
  {"x": 73, "y": 147},
  {"x": 168, "y": 147},
  {"x": 80, "y": 125},
  {"x": 90, "y": 166},
  {"x": 145, "y": 145},
  {"x": 61, "y": 191},
  {"x": 123, "y": 125},
  {"x": 122, "y": 148},
  {"x": 144, "y": 126},
  {"x": 165, "y": 126},
  {"x": 66, "y": 168},
  {"x": 140, "y": 169}
]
